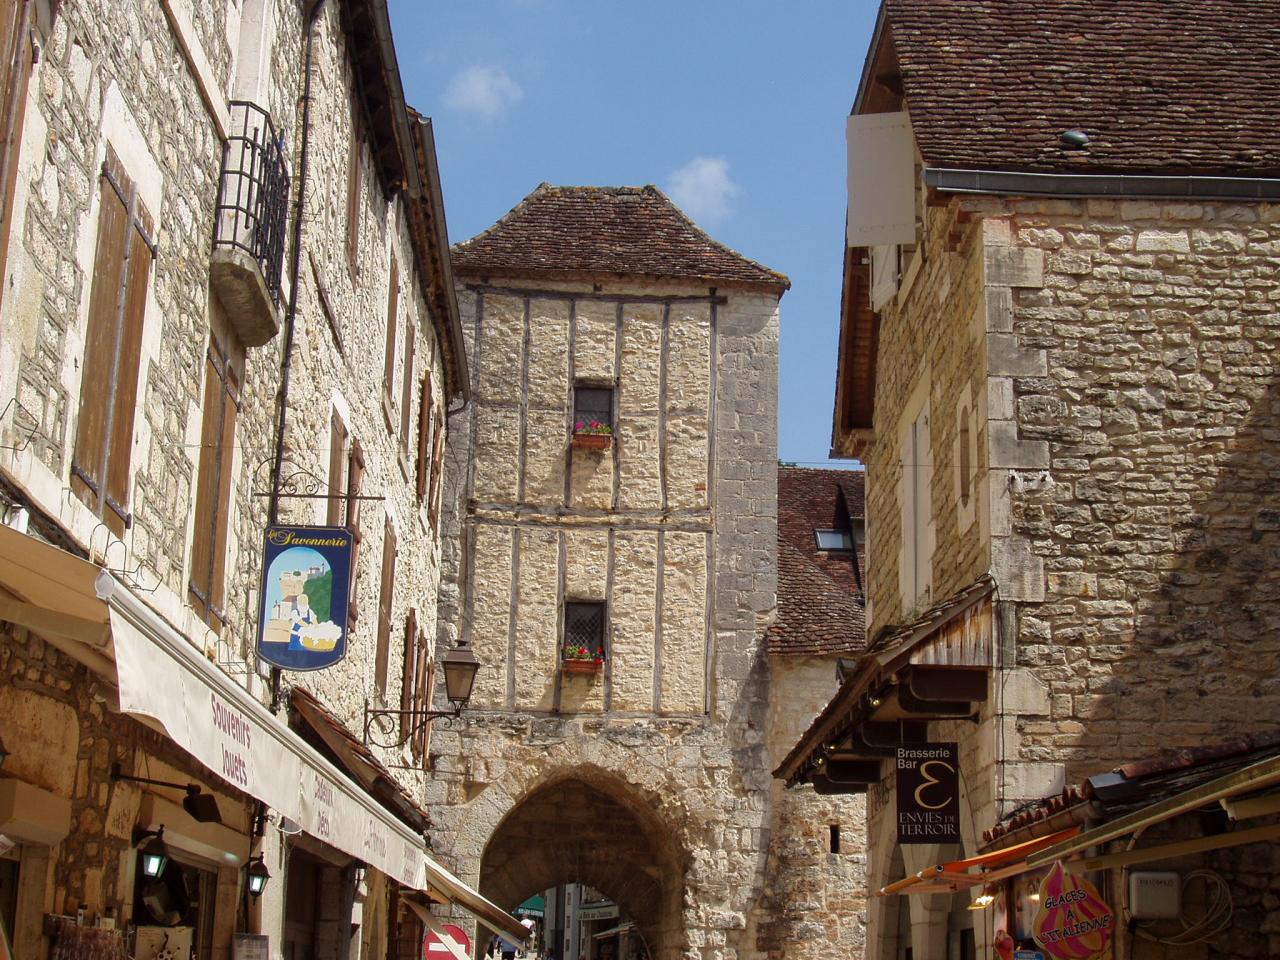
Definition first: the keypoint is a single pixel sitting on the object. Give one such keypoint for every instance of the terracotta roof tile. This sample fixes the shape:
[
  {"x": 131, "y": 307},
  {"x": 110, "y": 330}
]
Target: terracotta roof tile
[
  {"x": 1161, "y": 86},
  {"x": 591, "y": 231},
  {"x": 820, "y": 609}
]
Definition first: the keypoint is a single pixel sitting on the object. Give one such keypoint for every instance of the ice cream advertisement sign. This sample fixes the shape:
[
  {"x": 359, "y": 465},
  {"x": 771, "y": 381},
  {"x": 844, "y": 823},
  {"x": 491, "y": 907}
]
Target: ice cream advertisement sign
[
  {"x": 306, "y": 580},
  {"x": 1073, "y": 921}
]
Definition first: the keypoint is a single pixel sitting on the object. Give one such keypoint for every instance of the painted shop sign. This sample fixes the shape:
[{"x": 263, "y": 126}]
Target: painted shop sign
[
  {"x": 1073, "y": 922},
  {"x": 928, "y": 793},
  {"x": 306, "y": 580}
]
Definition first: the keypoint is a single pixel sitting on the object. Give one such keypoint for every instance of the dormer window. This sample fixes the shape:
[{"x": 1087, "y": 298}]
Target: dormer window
[{"x": 834, "y": 540}]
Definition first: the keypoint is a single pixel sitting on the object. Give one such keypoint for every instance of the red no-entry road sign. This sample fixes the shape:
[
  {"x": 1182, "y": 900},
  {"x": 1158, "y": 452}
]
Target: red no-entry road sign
[{"x": 433, "y": 947}]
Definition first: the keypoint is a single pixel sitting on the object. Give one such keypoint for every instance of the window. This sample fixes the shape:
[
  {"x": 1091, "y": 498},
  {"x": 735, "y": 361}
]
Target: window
[
  {"x": 834, "y": 540},
  {"x": 437, "y": 468},
  {"x": 966, "y": 461},
  {"x": 592, "y": 404},
  {"x": 389, "y": 364},
  {"x": 425, "y": 423},
  {"x": 386, "y": 597},
  {"x": 584, "y": 629},
  {"x": 416, "y": 693},
  {"x": 834, "y": 838},
  {"x": 406, "y": 395},
  {"x": 213, "y": 486},
  {"x": 355, "y": 186},
  {"x": 100, "y": 463},
  {"x": 338, "y": 454},
  {"x": 917, "y": 511}
]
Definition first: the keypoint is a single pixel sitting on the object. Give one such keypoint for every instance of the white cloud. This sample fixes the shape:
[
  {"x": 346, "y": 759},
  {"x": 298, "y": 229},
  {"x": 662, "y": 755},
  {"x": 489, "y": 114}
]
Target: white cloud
[
  {"x": 702, "y": 188},
  {"x": 485, "y": 91}
]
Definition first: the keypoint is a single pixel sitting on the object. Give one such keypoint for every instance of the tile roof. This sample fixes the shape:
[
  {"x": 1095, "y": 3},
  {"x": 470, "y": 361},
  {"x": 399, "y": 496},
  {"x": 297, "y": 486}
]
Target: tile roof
[
  {"x": 820, "y": 610},
  {"x": 1161, "y": 86},
  {"x": 594, "y": 231}
]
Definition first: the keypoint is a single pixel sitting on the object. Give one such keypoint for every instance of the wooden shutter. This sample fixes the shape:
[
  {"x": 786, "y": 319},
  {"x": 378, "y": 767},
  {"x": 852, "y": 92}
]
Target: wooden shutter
[
  {"x": 425, "y": 416},
  {"x": 386, "y": 598},
  {"x": 409, "y": 673},
  {"x": 213, "y": 488},
  {"x": 337, "y": 470},
  {"x": 355, "y": 477},
  {"x": 101, "y": 457},
  {"x": 426, "y": 681},
  {"x": 389, "y": 361},
  {"x": 437, "y": 463},
  {"x": 406, "y": 391}
]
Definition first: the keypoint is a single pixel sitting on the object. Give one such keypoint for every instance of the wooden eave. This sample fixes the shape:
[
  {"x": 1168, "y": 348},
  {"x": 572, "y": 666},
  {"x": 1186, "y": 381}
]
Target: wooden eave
[
  {"x": 430, "y": 236},
  {"x": 367, "y": 27}
]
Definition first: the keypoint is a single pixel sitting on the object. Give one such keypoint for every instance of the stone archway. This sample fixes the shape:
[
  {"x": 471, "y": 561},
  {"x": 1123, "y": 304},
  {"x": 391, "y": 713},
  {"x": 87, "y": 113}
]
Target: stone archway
[{"x": 587, "y": 827}]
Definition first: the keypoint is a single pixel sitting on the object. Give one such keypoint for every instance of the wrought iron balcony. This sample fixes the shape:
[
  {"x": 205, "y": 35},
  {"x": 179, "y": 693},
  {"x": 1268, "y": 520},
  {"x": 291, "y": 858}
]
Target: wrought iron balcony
[{"x": 249, "y": 224}]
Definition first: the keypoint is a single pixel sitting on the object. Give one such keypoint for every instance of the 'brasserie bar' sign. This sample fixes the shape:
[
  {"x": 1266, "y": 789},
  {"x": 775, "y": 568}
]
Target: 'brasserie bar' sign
[{"x": 928, "y": 793}]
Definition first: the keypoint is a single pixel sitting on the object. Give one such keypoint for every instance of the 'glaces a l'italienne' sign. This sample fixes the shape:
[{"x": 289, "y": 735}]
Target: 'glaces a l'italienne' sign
[
  {"x": 306, "y": 581},
  {"x": 928, "y": 793}
]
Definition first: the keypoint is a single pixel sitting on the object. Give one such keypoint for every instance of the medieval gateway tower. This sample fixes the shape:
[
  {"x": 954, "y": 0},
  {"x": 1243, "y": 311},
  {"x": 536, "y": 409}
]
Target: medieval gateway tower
[{"x": 613, "y": 561}]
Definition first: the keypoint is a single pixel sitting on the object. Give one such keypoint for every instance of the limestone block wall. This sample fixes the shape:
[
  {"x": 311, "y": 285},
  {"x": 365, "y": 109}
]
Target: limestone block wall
[
  {"x": 815, "y": 904},
  {"x": 1146, "y": 395},
  {"x": 116, "y": 75},
  {"x": 674, "y": 527}
]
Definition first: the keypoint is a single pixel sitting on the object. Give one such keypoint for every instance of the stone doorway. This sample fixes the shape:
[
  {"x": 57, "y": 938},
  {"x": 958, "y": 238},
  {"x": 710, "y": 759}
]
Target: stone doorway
[{"x": 588, "y": 828}]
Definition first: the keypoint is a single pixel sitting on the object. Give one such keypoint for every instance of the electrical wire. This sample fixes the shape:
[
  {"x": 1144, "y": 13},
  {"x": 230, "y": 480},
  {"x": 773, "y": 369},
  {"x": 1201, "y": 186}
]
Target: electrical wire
[{"x": 1216, "y": 917}]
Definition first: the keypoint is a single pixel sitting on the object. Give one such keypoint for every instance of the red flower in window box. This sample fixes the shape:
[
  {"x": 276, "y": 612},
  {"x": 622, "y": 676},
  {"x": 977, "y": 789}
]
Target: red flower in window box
[
  {"x": 581, "y": 660},
  {"x": 592, "y": 435}
]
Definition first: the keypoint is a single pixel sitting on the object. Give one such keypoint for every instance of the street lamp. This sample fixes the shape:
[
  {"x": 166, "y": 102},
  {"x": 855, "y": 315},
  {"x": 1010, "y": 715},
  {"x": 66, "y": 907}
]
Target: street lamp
[
  {"x": 154, "y": 852},
  {"x": 256, "y": 875},
  {"x": 460, "y": 666}
]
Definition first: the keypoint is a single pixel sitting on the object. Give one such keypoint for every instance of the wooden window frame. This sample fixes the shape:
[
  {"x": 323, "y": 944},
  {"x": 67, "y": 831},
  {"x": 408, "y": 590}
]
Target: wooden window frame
[
  {"x": 601, "y": 648},
  {"x": 206, "y": 586},
  {"x": 437, "y": 469},
  {"x": 355, "y": 481},
  {"x": 406, "y": 394},
  {"x": 386, "y": 603},
  {"x": 409, "y": 674},
  {"x": 426, "y": 420},
  {"x": 102, "y": 454},
  {"x": 339, "y": 453}
]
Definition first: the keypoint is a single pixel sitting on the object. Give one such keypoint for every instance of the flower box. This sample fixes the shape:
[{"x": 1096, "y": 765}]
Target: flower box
[
  {"x": 584, "y": 667},
  {"x": 592, "y": 441}
]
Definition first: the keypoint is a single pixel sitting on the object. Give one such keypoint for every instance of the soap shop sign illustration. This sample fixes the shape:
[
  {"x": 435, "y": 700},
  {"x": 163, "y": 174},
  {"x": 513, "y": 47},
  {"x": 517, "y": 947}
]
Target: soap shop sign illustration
[{"x": 306, "y": 580}]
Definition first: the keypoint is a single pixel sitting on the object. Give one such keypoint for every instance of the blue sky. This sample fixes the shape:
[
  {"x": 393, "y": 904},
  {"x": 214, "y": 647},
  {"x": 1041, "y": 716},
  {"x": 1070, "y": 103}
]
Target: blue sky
[{"x": 736, "y": 108}]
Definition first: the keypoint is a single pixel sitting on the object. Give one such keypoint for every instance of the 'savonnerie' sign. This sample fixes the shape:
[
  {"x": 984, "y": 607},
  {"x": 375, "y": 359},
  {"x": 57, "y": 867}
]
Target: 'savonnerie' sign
[
  {"x": 306, "y": 580},
  {"x": 928, "y": 793}
]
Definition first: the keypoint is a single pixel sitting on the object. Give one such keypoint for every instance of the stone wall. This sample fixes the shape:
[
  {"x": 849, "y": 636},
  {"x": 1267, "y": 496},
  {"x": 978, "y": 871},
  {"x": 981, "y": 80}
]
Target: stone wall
[
  {"x": 674, "y": 526},
  {"x": 1119, "y": 355}
]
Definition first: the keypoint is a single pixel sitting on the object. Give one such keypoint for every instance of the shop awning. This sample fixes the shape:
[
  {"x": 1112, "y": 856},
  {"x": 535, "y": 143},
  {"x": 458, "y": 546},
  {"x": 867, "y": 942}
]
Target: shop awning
[
  {"x": 956, "y": 875},
  {"x": 613, "y": 931},
  {"x": 1250, "y": 779},
  {"x": 168, "y": 683}
]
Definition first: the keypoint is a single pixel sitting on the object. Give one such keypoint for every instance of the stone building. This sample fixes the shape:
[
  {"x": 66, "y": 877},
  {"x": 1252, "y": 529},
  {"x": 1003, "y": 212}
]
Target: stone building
[
  {"x": 1057, "y": 363},
  {"x": 617, "y": 580},
  {"x": 816, "y": 901},
  {"x": 164, "y": 398}
]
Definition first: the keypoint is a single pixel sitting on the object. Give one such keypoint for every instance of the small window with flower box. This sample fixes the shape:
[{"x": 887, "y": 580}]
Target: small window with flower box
[
  {"x": 583, "y": 651},
  {"x": 592, "y": 417}
]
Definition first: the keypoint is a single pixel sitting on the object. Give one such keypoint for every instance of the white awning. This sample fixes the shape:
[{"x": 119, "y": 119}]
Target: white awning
[{"x": 167, "y": 682}]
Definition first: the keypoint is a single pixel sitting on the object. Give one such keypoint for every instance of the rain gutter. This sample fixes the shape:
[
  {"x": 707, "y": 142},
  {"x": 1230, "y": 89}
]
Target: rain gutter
[{"x": 1118, "y": 185}]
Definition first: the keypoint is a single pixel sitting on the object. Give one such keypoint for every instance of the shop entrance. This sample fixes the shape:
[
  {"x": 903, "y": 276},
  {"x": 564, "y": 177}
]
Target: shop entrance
[{"x": 589, "y": 833}]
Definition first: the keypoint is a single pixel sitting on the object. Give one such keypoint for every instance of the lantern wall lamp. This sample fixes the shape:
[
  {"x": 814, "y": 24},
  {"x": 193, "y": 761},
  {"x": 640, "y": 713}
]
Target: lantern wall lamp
[{"x": 460, "y": 666}]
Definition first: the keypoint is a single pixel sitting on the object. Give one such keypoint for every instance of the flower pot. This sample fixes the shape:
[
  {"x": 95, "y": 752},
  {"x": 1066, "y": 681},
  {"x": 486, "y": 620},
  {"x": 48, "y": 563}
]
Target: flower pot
[
  {"x": 592, "y": 441},
  {"x": 585, "y": 667}
]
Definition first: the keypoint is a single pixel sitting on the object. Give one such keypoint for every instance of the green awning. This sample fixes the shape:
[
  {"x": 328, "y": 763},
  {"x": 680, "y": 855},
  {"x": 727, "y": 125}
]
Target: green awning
[{"x": 535, "y": 906}]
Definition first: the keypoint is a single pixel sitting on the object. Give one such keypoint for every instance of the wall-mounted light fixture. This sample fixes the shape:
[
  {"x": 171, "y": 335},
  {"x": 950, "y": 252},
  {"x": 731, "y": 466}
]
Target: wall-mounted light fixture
[
  {"x": 983, "y": 900},
  {"x": 203, "y": 807},
  {"x": 152, "y": 851},
  {"x": 256, "y": 875},
  {"x": 460, "y": 666},
  {"x": 4, "y": 754}
]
